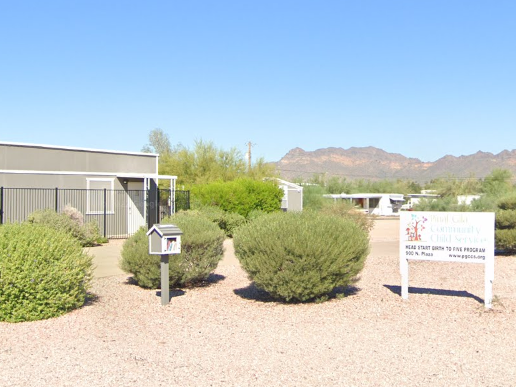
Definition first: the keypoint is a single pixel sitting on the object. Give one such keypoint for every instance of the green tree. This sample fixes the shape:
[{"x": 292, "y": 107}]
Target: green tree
[
  {"x": 158, "y": 143},
  {"x": 313, "y": 197},
  {"x": 497, "y": 183},
  {"x": 206, "y": 163},
  {"x": 241, "y": 196},
  {"x": 451, "y": 186}
]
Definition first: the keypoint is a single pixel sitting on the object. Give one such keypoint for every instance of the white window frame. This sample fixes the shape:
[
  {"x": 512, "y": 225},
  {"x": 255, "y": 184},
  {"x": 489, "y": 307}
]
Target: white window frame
[{"x": 111, "y": 203}]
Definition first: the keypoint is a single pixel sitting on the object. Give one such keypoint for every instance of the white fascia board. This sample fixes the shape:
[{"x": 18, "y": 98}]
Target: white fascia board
[
  {"x": 77, "y": 149},
  {"x": 365, "y": 196},
  {"x": 289, "y": 184}
]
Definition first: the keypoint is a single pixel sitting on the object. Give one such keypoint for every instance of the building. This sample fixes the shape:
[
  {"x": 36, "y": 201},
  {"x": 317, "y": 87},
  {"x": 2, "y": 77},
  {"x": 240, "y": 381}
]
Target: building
[
  {"x": 117, "y": 189},
  {"x": 373, "y": 203},
  {"x": 293, "y": 197},
  {"x": 414, "y": 199}
]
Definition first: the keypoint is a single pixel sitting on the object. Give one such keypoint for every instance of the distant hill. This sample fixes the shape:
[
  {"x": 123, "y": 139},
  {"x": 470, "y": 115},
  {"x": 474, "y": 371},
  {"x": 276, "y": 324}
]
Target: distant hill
[{"x": 375, "y": 164}]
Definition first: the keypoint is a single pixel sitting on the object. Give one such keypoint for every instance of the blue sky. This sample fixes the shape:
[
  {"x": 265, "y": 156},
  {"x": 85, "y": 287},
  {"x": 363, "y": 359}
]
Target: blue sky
[{"x": 422, "y": 78}]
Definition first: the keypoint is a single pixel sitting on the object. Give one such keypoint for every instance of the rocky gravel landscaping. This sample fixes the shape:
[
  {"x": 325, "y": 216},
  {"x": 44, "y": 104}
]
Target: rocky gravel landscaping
[{"x": 228, "y": 333}]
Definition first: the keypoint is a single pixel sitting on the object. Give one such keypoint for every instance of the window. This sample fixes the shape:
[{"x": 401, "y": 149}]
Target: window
[{"x": 97, "y": 198}]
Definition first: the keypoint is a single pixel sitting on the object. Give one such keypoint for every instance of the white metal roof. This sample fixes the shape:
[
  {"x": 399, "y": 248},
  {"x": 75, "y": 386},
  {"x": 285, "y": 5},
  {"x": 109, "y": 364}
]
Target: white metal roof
[
  {"x": 76, "y": 148},
  {"x": 398, "y": 197}
]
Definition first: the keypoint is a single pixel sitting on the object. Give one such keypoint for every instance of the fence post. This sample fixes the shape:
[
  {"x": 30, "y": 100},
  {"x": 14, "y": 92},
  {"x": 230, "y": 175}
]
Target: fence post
[
  {"x": 105, "y": 212},
  {"x": 148, "y": 208},
  {"x": 158, "y": 206},
  {"x": 57, "y": 200},
  {"x": 1, "y": 205}
]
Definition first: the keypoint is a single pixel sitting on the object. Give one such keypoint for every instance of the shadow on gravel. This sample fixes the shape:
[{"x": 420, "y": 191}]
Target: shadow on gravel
[
  {"x": 172, "y": 293},
  {"x": 91, "y": 299},
  {"x": 436, "y": 292},
  {"x": 252, "y": 292},
  {"x": 212, "y": 279}
]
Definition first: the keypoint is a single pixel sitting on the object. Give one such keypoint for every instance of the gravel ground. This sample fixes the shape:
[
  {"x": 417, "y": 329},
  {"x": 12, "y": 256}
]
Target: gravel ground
[{"x": 229, "y": 334}]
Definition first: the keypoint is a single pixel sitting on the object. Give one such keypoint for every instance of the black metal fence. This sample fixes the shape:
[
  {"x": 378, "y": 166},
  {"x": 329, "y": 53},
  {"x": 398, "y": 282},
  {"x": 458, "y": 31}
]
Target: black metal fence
[{"x": 118, "y": 213}]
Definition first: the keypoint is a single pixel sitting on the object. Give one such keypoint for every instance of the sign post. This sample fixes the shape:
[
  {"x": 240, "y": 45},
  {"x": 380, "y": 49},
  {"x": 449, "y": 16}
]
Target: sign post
[{"x": 466, "y": 237}]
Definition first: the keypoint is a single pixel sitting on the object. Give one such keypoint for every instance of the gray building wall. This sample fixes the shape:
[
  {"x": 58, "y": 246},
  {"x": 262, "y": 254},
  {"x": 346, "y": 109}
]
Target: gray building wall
[
  {"x": 46, "y": 158},
  {"x": 33, "y": 180},
  {"x": 295, "y": 200},
  {"x": 74, "y": 170},
  {"x": 77, "y": 166},
  {"x": 293, "y": 197}
]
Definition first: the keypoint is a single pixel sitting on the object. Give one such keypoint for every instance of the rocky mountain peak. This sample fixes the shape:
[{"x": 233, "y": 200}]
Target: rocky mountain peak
[{"x": 376, "y": 164}]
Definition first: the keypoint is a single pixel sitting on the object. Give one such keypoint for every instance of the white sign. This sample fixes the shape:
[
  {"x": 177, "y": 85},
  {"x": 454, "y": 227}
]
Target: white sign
[{"x": 466, "y": 237}]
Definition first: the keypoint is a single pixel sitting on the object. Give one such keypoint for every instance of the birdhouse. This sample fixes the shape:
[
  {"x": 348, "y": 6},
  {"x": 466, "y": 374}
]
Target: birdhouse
[{"x": 164, "y": 239}]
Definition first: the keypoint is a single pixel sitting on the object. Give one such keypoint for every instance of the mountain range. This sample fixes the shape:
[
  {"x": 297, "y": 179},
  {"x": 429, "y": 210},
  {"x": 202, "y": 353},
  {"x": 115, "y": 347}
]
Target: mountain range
[{"x": 372, "y": 163}]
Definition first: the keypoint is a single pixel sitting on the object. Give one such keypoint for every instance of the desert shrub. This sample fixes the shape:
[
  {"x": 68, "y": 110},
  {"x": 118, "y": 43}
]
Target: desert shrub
[
  {"x": 505, "y": 234},
  {"x": 505, "y": 219},
  {"x": 505, "y": 240},
  {"x": 447, "y": 203},
  {"x": 43, "y": 272},
  {"x": 239, "y": 196},
  {"x": 87, "y": 234},
  {"x": 484, "y": 203},
  {"x": 300, "y": 256},
  {"x": 254, "y": 214},
  {"x": 74, "y": 214},
  {"x": 136, "y": 260},
  {"x": 226, "y": 221},
  {"x": 507, "y": 203},
  {"x": 313, "y": 197},
  {"x": 201, "y": 251},
  {"x": 345, "y": 209},
  {"x": 230, "y": 222}
]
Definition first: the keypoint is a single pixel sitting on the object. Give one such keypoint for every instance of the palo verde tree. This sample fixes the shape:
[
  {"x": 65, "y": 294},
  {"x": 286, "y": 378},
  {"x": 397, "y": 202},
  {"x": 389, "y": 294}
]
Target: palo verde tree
[
  {"x": 204, "y": 163},
  {"x": 498, "y": 183},
  {"x": 158, "y": 143}
]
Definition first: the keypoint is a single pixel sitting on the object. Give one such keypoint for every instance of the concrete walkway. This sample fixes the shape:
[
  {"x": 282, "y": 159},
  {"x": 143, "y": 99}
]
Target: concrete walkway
[{"x": 106, "y": 257}]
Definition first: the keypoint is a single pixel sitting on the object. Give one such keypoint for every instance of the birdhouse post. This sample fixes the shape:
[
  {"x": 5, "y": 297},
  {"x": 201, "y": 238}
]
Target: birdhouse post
[{"x": 164, "y": 239}]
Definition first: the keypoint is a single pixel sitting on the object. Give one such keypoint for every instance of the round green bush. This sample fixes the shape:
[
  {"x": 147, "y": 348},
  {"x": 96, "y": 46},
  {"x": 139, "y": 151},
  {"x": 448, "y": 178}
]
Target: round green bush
[
  {"x": 507, "y": 203},
  {"x": 347, "y": 210},
  {"x": 301, "y": 256},
  {"x": 227, "y": 221},
  {"x": 239, "y": 196},
  {"x": 86, "y": 233},
  {"x": 505, "y": 219},
  {"x": 43, "y": 272},
  {"x": 505, "y": 240},
  {"x": 201, "y": 250}
]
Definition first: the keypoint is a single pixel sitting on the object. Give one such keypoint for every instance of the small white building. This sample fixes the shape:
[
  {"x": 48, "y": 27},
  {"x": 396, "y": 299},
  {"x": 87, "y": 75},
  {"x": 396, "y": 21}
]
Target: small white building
[
  {"x": 467, "y": 199},
  {"x": 373, "y": 203},
  {"x": 293, "y": 196},
  {"x": 414, "y": 199}
]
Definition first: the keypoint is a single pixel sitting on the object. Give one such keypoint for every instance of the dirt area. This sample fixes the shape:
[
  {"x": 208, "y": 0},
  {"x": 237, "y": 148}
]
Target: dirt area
[{"x": 228, "y": 334}]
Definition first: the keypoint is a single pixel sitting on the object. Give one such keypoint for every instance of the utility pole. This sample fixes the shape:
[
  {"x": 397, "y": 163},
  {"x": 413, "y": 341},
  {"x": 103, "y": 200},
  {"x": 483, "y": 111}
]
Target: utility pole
[{"x": 248, "y": 154}]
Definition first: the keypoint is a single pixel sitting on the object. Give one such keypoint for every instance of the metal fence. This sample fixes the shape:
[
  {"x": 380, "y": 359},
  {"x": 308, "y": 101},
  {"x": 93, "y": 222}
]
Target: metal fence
[{"x": 118, "y": 213}]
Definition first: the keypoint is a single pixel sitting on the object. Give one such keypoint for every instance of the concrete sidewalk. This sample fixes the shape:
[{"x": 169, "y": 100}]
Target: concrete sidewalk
[{"x": 106, "y": 257}]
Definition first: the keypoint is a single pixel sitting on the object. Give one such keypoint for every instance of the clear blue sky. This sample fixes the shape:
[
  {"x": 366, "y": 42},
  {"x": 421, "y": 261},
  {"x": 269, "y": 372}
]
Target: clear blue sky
[{"x": 422, "y": 78}]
